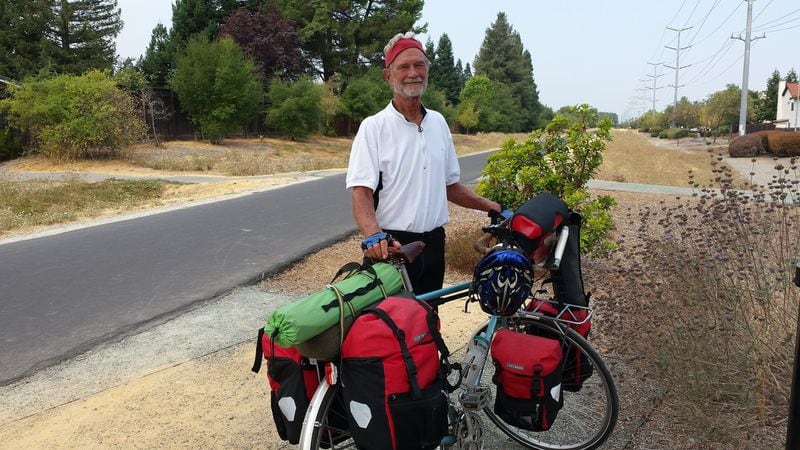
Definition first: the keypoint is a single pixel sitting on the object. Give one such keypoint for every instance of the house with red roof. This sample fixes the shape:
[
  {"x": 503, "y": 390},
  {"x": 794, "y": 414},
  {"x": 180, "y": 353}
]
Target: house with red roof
[{"x": 788, "y": 105}]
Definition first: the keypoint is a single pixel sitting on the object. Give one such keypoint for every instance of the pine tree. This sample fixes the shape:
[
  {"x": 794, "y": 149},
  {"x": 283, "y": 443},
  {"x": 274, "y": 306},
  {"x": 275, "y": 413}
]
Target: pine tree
[
  {"x": 791, "y": 76},
  {"x": 444, "y": 73},
  {"x": 157, "y": 62},
  {"x": 23, "y": 45},
  {"x": 767, "y": 105},
  {"x": 503, "y": 58},
  {"x": 430, "y": 50},
  {"x": 82, "y": 34},
  {"x": 348, "y": 36}
]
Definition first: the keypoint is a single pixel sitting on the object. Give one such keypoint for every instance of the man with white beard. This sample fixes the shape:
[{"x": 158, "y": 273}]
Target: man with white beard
[{"x": 403, "y": 170}]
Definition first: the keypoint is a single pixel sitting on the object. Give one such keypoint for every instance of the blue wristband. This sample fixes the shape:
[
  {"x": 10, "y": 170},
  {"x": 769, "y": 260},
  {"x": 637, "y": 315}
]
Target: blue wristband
[{"x": 374, "y": 239}]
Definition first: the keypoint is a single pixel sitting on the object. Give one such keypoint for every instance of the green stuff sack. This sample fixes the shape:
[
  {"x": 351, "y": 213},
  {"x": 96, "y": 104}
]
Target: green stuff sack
[{"x": 329, "y": 312}]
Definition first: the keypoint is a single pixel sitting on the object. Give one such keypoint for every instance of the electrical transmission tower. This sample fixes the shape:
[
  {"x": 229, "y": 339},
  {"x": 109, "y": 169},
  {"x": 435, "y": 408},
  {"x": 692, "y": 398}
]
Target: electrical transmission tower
[
  {"x": 677, "y": 66},
  {"x": 748, "y": 39},
  {"x": 655, "y": 76}
]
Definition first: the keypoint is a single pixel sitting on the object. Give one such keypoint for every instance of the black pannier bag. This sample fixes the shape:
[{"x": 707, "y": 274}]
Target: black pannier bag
[
  {"x": 528, "y": 371},
  {"x": 292, "y": 379},
  {"x": 534, "y": 222},
  {"x": 568, "y": 278}
]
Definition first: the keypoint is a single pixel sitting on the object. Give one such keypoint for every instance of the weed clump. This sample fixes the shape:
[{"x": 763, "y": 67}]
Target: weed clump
[{"x": 711, "y": 278}]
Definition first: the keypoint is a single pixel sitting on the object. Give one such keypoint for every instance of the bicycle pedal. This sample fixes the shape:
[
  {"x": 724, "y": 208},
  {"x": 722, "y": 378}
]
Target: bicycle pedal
[{"x": 475, "y": 398}]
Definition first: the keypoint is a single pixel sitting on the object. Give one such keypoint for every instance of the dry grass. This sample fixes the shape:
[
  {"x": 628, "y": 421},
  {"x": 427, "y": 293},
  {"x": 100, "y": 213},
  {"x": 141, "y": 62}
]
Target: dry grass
[
  {"x": 41, "y": 202},
  {"x": 631, "y": 158}
]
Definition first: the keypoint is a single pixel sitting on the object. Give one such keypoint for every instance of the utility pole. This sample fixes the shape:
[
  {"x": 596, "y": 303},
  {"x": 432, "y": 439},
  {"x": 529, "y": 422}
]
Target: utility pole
[
  {"x": 677, "y": 66},
  {"x": 655, "y": 76},
  {"x": 746, "y": 70}
]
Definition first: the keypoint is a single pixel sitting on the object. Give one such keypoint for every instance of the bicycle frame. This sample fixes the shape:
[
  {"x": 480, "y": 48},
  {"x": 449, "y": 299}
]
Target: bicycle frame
[{"x": 467, "y": 428}]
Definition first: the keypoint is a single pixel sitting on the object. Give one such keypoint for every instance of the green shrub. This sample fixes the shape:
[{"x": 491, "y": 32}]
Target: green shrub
[
  {"x": 71, "y": 116},
  {"x": 296, "y": 111},
  {"x": 673, "y": 133},
  {"x": 560, "y": 159},
  {"x": 216, "y": 86},
  {"x": 655, "y": 132},
  {"x": 10, "y": 146}
]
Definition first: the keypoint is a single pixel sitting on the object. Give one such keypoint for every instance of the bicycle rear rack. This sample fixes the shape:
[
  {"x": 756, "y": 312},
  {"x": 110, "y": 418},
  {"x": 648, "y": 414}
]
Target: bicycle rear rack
[{"x": 567, "y": 314}]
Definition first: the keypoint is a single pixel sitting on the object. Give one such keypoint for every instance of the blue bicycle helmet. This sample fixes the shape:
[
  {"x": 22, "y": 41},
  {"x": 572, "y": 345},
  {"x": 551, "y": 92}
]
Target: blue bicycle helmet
[{"x": 502, "y": 281}]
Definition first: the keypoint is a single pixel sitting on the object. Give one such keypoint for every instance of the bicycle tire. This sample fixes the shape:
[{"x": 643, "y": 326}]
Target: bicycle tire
[
  {"x": 325, "y": 424},
  {"x": 588, "y": 416}
]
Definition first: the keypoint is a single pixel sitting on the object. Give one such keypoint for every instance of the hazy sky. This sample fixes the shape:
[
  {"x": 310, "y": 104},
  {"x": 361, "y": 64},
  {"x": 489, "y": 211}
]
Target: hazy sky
[{"x": 596, "y": 52}]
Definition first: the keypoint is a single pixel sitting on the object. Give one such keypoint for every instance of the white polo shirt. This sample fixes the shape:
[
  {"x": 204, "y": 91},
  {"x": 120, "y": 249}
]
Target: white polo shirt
[{"x": 415, "y": 164}]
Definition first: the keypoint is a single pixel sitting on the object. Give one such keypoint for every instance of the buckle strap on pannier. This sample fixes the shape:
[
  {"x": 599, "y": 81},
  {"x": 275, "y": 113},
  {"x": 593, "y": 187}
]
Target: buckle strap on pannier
[
  {"x": 411, "y": 368},
  {"x": 259, "y": 352},
  {"x": 260, "y": 349}
]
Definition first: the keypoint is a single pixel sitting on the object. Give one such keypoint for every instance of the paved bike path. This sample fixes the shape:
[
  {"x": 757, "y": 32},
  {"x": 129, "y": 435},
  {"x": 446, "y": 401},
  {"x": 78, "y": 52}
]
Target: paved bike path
[{"x": 62, "y": 295}]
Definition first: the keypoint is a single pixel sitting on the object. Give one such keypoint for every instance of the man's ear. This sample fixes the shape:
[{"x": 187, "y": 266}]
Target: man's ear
[{"x": 386, "y": 74}]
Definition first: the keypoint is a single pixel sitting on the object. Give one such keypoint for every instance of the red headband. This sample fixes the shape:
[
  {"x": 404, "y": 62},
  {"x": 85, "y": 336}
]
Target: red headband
[{"x": 401, "y": 45}]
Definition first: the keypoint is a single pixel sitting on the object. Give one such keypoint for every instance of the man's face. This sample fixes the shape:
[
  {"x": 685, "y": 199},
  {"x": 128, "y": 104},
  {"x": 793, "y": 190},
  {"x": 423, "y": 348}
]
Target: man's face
[{"x": 408, "y": 74}]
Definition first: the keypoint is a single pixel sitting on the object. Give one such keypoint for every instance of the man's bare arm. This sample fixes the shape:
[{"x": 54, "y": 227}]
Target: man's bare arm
[
  {"x": 462, "y": 196},
  {"x": 364, "y": 214}
]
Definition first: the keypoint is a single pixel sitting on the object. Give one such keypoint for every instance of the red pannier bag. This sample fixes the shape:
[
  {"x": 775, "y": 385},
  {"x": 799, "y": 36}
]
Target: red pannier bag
[
  {"x": 527, "y": 373},
  {"x": 577, "y": 368},
  {"x": 392, "y": 378},
  {"x": 292, "y": 380}
]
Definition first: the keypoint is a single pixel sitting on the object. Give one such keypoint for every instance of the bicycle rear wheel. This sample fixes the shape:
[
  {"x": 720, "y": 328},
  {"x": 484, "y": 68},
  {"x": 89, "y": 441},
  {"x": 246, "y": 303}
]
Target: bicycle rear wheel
[
  {"x": 588, "y": 416},
  {"x": 326, "y": 421}
]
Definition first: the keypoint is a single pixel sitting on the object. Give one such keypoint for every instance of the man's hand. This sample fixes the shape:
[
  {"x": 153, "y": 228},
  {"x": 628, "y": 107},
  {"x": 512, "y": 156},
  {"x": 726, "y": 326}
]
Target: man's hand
[
  {"x": 499, "y": 214},
  {"x": 376, "y": 246}
]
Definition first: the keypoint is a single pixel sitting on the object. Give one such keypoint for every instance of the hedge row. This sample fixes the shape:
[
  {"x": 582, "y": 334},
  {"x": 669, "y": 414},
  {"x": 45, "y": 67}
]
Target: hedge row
[{"x": 778, "y": 143}]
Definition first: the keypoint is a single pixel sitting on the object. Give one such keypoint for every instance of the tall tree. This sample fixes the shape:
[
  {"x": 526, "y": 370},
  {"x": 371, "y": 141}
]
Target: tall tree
[
  {"x": 685, "y": 115},
  {"x": 767, "y": 106},
  {"x": 721, "y": 109},
  {"x": 269, "y": 39},
  {"x": 348, "y": 36},
  {"x": 444, "y": 73},
  {"x": 83, "y": 34},
  {"x": 791, "y": 76},
  {"x": 503, "y": 58},
  {"x": 157, "y": 62},
  {"x": 190, "y": 18},
  {"x": 23, "y": 42}
]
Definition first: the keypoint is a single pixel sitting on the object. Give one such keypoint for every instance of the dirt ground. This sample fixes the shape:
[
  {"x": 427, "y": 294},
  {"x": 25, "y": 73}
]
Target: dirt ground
[{"x": 214, "y": 401}]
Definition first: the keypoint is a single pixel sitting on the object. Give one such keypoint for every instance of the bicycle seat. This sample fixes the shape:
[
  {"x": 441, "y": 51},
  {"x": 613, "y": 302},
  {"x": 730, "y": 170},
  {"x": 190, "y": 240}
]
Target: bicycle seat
[{"x": 408, "y": 251}]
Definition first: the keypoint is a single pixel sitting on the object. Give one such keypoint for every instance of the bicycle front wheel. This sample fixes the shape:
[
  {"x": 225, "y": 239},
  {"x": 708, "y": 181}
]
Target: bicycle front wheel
[
  {"x": 325, "y": 424},
  {"x": 590, "y": 410}
]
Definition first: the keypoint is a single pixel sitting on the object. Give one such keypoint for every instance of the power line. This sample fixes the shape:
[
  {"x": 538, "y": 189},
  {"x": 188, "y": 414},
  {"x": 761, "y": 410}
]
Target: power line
[
  {"x": 703, "y": 22},
  {"x": 769, "y": 28},
  {"x": 692, "y": 13},
  {"x": 781, "y": 17},
  {"x": 726, "y": 46},
  {"x": 720, "y": 25}
]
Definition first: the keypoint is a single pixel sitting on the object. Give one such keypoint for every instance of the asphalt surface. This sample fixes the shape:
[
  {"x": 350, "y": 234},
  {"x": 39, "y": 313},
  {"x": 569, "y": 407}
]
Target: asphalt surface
[{"x": 64, "y": 294}]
